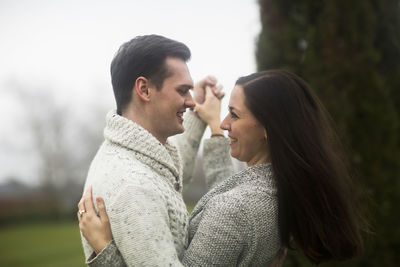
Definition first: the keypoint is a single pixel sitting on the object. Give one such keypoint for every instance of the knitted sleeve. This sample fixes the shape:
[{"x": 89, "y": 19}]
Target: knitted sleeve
[
  {"x": 109, "y": 256},
  {"x": 222, "y": 235},
  {"x": 140, "y": 227},
  {"x": 217, "y": 163},
  {"x": 188, "y": 143}
]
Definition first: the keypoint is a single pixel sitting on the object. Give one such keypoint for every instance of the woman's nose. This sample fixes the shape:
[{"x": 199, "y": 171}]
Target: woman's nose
[{"x": 225, "y": 124}]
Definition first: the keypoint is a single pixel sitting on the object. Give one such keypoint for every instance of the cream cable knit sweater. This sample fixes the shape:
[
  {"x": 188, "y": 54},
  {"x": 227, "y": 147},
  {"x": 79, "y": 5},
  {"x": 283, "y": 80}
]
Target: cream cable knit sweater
[{"x": 138, "y": 178}]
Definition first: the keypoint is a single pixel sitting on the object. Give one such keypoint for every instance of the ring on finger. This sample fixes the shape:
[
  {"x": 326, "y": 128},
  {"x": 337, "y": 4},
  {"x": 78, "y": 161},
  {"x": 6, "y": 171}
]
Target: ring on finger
[{"x": 81, "y": 212}]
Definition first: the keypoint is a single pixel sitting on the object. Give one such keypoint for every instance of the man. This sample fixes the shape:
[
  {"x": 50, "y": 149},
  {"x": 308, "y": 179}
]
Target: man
[{"x": 138, "y": 170}]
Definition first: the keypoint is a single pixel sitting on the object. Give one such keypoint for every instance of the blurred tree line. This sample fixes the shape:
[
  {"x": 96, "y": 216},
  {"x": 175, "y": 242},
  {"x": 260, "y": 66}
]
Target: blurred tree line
[
  {"x": 349, "y": 52},
  {"x": 61, "y": 140}
]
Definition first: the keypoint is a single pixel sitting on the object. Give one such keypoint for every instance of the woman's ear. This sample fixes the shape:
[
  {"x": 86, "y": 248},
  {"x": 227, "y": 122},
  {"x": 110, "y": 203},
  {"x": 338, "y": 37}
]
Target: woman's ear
[{"x": 142, "y": 88}]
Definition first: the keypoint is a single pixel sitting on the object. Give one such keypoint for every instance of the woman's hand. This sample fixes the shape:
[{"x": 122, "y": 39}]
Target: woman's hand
[
  {"x": 95, "y": 227},
  {"x": 199, "y": 89},
  {"x": 210, "y": 110}
]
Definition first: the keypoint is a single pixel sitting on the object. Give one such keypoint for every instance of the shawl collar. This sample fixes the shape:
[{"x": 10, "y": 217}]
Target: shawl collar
[{"x": 163, "y": 159}]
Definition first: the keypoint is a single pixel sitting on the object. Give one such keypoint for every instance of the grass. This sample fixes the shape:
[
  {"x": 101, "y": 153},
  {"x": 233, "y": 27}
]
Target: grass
[
  {"x": 41, "y": 244},
  {"x": 55, "y": 244}
]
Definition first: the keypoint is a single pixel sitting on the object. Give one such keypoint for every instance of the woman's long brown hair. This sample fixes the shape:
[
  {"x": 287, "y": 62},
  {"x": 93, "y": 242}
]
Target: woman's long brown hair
[{"x": 317, "y": 210}]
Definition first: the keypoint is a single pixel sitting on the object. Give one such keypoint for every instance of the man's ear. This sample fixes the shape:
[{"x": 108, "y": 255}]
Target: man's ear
[{"x": 142, "y": 88}]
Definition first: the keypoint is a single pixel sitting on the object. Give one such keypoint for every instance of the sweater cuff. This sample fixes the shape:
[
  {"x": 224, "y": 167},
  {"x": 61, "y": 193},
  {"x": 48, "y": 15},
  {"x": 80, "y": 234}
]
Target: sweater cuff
[
  {"x": 217, "y": 150},
  {"x": 98, "y": 259},
  {"x": 193, "y": 125},
  {"x": 216, "y": 142}
]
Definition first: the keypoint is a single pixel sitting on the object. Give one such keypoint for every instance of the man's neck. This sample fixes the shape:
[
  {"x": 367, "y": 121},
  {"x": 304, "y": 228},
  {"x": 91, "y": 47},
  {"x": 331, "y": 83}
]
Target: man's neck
[{"x": 140, "y": 119}]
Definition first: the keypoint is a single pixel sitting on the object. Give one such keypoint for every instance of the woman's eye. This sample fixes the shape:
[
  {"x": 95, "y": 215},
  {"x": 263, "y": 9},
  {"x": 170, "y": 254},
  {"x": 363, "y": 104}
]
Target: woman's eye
[{"x": 234, "y": 116}]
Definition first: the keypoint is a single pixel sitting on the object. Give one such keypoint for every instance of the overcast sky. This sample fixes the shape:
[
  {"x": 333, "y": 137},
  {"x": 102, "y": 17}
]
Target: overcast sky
[{"x": 67, "y": 46}]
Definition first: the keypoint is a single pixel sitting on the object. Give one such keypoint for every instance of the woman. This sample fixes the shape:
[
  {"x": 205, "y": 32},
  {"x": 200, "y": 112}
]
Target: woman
[{"x": 294, "y": 193}]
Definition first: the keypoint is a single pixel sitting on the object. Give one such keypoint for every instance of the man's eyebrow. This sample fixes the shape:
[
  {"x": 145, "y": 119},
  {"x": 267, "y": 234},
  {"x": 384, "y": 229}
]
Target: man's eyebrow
[{"x": 185, "y": 86}]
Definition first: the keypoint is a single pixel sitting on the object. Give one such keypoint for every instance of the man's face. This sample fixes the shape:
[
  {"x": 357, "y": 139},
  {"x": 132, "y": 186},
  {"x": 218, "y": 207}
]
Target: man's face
[{"x": 169, "y": 103}]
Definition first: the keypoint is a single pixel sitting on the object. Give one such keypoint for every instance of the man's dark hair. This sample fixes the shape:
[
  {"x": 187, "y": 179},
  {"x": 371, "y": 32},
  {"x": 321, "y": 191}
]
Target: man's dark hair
[{"x": 143, "y": 56}]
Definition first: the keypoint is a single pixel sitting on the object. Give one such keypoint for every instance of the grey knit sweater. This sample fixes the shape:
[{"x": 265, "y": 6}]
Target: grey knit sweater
[{"x": 235, "y": 223}]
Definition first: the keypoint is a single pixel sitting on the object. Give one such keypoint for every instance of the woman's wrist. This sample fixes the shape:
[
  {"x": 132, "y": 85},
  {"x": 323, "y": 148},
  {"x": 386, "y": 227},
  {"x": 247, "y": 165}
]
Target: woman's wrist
[
  {"x": 215, "y": 129},
  {"x": 101, "y": 245},
  {"x": 217, "y": 135}
]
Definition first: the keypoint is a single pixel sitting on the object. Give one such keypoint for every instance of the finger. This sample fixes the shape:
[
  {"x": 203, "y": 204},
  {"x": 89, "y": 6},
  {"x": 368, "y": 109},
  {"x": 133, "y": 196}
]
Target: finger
[
  {"x": 210, "y": 95},
  {"x": 209, "y": 91},
  {"x": 87, "y": 198},
  {"x": 208, "y": 80},
  {"x": 218, "y": 91},
  {"x": 102, "y": 209},
  {"x": 195, "y": 102},
  {"x": 198, "y": 108},
  {"x": 219, "y": 87},
  {"x": 220, "y": 95},
  {"x": 81, "y": 206},
  {"x": 211, "y": 80}
]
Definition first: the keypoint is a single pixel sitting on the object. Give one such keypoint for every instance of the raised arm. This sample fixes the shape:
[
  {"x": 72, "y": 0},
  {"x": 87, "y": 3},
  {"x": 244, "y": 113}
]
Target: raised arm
[
  {"x": 189, "y": 141},
  {"x": 217, "y": 163}
]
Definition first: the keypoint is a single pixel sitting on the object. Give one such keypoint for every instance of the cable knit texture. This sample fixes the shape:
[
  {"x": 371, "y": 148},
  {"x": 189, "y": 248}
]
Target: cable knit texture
[
  {"x": 188, "y": 143},
  {"x": 217, "y": 163},
  {"x": 141, "y": 182},
  {"x": 234, "y": 224}
]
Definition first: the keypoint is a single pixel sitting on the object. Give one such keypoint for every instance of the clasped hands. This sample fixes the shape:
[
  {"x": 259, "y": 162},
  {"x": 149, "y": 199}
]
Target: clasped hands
[{"x": 208, "y": 95}]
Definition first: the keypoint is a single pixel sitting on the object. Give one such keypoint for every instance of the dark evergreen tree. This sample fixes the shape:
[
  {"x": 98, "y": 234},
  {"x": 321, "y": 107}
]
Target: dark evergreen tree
[{"x": 349, "y": 52}]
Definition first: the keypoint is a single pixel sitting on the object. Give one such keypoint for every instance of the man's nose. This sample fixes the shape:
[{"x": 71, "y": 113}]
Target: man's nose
[{"x": 189, "y": 102}]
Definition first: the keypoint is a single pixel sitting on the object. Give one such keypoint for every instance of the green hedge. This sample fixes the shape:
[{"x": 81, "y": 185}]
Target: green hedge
[{"x": 349, "y": 52}]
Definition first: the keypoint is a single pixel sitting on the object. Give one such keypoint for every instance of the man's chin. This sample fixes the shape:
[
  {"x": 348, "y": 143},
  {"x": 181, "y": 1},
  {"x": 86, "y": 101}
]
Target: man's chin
[
  {"x": 178, "y": 130},
  {"x": 181, "y": 129}
]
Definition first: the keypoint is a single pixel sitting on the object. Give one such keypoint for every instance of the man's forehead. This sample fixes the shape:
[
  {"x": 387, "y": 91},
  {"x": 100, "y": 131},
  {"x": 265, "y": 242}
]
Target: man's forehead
[
  {"x": 179, "y": 73},
  {"x": 176, "y": 64}
]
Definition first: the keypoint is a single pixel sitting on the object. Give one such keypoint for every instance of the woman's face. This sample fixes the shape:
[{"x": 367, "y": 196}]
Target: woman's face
[{"x": 247, "y": 136}]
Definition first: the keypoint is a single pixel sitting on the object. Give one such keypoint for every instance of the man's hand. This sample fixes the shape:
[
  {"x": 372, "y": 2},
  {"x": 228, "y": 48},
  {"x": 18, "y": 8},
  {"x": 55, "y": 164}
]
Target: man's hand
[{"x": 200, "y": 89}]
